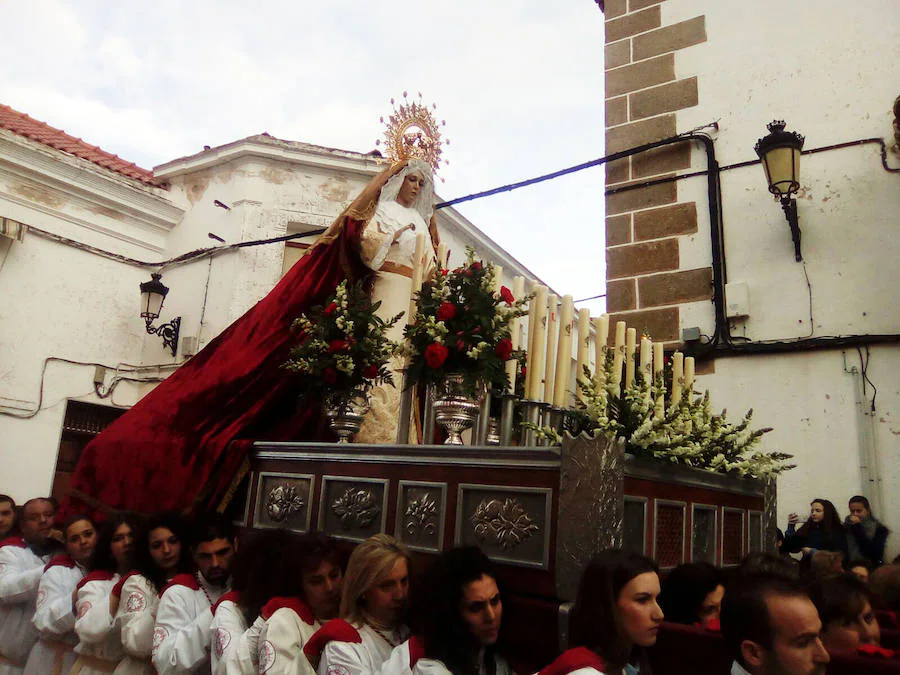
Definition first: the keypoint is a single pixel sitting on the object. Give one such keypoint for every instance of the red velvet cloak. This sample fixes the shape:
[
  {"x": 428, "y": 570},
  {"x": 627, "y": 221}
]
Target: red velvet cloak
[{"x": 173, "y": 449}]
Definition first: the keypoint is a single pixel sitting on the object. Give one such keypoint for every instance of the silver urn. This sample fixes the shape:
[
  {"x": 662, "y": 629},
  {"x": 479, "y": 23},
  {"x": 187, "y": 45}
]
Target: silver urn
[
  {"x": 454, "y": 409},
  {"x": 345, "y": 413}
]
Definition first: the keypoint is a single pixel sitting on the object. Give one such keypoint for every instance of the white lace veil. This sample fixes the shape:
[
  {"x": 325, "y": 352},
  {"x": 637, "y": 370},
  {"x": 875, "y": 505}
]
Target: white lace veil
[{"x": 424, "y": 202}]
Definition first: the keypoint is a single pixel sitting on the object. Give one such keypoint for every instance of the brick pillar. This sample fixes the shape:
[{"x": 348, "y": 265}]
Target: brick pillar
[{"x": 645, "y": 280}]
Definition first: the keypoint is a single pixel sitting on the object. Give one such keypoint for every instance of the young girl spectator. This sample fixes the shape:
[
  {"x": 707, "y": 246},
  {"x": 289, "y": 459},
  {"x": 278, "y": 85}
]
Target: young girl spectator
[
  {"x": 866, "y": 537},
  {"x": 53, "y": 615},
  {"x": 161, "y": 551},
  {"x": 461, "y": 615},
  {"x": 821, "y": 532},
  {"x": 99, "y": 646},
  {"x": 616, "y": 617}
]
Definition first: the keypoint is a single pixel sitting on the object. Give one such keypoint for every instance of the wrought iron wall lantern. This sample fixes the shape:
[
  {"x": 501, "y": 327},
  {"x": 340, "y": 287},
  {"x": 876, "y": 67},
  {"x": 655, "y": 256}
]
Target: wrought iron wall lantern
[
  {"x": 780, "y": 156},
  {"x": 153, "y": 293}
]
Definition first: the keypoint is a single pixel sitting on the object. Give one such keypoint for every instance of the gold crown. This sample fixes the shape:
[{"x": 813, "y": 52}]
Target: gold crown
[{"x": 413, "y": 132}]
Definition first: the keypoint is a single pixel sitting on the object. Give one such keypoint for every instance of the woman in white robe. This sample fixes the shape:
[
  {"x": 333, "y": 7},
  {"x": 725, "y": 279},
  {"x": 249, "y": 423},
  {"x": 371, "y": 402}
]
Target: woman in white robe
[
  {"x": 99, "y": 646},
  {"x": 161, "y": 552}
]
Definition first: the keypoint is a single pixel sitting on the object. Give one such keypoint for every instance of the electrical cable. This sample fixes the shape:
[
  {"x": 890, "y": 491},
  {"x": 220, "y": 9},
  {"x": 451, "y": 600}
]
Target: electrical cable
[
  {"x": 593, "y": 297},
  {"x": 189, "y": 256},
  {"x": 58, "y": 359},
  {"x": 812, "y": 328},
  {"x": 864, "y": 372}
]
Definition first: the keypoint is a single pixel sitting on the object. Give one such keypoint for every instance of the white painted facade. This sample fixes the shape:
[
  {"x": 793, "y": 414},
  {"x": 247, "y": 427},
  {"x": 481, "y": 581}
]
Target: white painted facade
[
  {"x": 61, "y": 302},
  {"x": 829, "y": 69}
]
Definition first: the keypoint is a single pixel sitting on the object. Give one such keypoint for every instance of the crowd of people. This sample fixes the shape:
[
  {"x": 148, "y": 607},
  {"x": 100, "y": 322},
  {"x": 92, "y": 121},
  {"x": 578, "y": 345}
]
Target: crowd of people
[{"x": 167, "y": 595}]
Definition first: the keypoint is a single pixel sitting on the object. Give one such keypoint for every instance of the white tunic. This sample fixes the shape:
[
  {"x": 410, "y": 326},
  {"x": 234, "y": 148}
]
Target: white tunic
[
  {"x": 135, "y": 619},
  {"x": 400, "y": 662},
  {"x": 20, "y": 574},
  {"x": 287, "y": 628},
  {"x": 183, "y": 632},
  {"x": 234, "y": 645},
  {"x": 98, "y": 634},
  {"x": 362, "y": 658},
  {"x": 54, "y": 619}
]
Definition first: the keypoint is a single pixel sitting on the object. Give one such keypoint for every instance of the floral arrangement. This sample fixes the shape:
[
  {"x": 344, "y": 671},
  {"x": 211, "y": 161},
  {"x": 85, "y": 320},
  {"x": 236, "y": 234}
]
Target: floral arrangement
[
  {"x": 462, "y": 326},
  {"x": 687, "y": 432},
  {"x": 342, "y": 348}
]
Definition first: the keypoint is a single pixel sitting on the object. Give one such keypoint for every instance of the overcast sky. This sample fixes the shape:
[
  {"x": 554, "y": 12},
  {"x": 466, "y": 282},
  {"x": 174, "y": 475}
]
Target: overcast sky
[{"x": 519, "y": 83}]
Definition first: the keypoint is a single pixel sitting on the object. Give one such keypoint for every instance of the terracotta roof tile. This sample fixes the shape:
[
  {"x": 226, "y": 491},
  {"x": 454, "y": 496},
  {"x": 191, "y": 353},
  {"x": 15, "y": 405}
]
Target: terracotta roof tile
[{"x": 23, "y": 125}]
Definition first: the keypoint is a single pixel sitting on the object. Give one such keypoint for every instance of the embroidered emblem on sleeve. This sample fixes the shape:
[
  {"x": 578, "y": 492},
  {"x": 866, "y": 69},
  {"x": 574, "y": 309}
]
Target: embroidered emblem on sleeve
[
  {"x": 266, "y": 657},
  {"x": 223, "y": 639},
  {"x": 136, "y": 602},
  {"x": 41, "y": 597},
  {"x": 159, "y": 636},
  {"x": 338, "y": 669},
  {"x": 84, "y": 609}
]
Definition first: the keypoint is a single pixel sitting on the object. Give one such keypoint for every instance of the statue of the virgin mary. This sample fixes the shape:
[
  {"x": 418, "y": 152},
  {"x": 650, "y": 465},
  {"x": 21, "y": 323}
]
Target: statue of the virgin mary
[{"x": 186, "y": 442}]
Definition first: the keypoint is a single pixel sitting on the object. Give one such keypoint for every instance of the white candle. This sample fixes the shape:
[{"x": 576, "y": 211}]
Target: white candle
[
  {"x": 601, "y": 335},
  {"x": 677, "y": 377},
  {"x": 630, "y": 343},
  {"x": 646, "y": 362},
  {"x": 583, "y": 351},
  {"x": 518, "y": 290},
  {"x": 529, "y": 349},
  {"x": 418, "y": 259},
  {"x": 564, "y": 353},
  {"x": 552, "y": 339},
  {"x": 443, "y": 254},
  {"x": 658, "y": 366},
  {"x": 659, "y": 359},
  {"x": 618, "y": 355},
  {"x": 498, "y": 279},
  {"x": 689, "y": 376},
  {"x": 536, "y": 372}
]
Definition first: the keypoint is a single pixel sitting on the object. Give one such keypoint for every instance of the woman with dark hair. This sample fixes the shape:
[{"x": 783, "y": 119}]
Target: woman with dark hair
[
  {"x": 53, "y": 615},
  {"x": 616, "y": 617},
  {"x": 161, "y": 550},
  {"x": 461, "y": 619},
  {"x": 866, "y": 537},
  {"x": 845, "y": 610},
  {"x": 99, "y": 646},
  {"x": 293, "y": 593},
  {"x": 692, "y": 594},
  {"x": 821, "y": 532}
]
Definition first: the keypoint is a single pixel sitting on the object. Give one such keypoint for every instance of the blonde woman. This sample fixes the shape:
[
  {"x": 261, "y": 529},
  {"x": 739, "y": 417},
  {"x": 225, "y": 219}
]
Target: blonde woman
[{"x": 373, "y": 610}]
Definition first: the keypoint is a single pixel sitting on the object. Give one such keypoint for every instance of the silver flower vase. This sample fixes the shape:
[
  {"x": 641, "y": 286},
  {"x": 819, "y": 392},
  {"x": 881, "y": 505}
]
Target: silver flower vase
[
  {"x": 345, "y": 412},
  {"x": 454, "y": 409}
]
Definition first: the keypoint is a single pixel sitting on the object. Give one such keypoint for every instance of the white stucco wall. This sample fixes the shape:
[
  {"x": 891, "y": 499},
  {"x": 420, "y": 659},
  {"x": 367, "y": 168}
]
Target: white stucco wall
[{"x": 829, "y": 69}]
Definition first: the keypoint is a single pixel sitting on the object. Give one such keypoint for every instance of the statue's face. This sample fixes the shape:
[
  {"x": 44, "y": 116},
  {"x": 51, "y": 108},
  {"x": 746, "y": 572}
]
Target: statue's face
[{"x": 410, "y": 189}]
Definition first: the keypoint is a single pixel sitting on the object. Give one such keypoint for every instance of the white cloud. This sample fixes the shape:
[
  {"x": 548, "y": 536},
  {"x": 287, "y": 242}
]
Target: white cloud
[{"x": 520, "y": 83}]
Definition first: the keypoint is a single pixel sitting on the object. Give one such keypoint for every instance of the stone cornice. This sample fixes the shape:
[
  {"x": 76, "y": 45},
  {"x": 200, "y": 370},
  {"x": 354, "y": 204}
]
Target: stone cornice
[
  {"x": 262, "y": 147},
  {"x": 127, "y": 209}
]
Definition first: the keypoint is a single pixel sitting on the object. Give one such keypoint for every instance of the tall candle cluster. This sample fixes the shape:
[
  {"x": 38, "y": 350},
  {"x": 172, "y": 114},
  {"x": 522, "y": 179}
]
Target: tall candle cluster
[{"x": 554, "y": 330}]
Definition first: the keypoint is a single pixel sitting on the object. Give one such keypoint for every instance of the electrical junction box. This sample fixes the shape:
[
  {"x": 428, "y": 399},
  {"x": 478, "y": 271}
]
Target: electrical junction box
[
  {"x": 189, "y": 345},
  {"x": 737, "y": 300}
]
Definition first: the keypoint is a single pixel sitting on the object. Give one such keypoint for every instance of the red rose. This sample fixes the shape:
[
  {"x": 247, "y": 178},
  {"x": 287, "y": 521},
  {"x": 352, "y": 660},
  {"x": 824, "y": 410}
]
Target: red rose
[
  {"x": 476, "y": 266},
  {"x": 445, "y": 272},
  {"x": 330, "y": 375},
  {"x": 446, "y": 311},
  {"x": 435, "y": 355},
  {"x": 330, "y": 309},
  {"x": 460, "y": 346},
  {"x": 504, "y": 349},
  {"x": 370, "y": 372},
  {"x": 337, "y": 346},
  {"x": 506, "y": 295},
  {"x": 524, "y": 371}
]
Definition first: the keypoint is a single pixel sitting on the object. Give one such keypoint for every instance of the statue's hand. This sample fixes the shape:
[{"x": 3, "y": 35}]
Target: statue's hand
[{"x": 399, "y": 233}]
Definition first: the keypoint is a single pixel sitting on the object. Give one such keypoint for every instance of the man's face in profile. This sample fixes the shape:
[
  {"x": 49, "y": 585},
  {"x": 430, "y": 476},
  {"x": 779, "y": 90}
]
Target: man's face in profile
[{"x": 796, "y": 647}]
